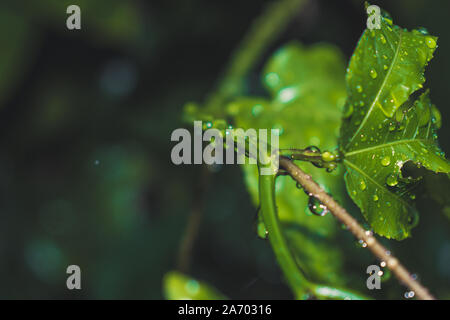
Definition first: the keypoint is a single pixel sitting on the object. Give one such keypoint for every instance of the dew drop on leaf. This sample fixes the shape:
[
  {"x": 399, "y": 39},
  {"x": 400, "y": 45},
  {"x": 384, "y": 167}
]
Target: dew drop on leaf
[
  {"x": 431, "y": 43},
  {"x": 373, "y": 74},
  {"x": 386, "y": 161},
  {"x": 391, "y": 180},
  {"x": 316, "y": 207}
]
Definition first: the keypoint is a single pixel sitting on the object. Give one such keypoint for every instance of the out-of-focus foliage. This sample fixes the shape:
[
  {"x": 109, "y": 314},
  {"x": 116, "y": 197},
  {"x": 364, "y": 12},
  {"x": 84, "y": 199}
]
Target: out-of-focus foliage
[
  {"x": 383, "y": 130},
  {"x": 178, "y": 286},
  {"x": 303, "y": 111}
]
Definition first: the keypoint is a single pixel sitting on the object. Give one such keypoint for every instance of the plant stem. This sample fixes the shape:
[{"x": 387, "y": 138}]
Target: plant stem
[
  {"x": 194, "y": 221},
  {"x": 293, "y": 274},
  {"x": 359, "y": 232}
]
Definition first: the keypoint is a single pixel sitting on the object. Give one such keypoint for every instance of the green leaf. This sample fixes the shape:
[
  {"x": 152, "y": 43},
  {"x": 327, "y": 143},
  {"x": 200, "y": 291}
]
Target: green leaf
[
  {"x": 383, "y": 127},
  {"x": 306, "y": 114},
  {"x": 178, "y": 286}
]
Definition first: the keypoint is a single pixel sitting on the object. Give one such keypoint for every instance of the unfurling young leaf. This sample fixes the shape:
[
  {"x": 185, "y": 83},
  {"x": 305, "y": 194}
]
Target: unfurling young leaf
[{"x": 384, "y": 126}]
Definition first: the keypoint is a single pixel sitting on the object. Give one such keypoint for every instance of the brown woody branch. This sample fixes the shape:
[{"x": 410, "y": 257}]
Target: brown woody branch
[{"x": 358, "y": 231}]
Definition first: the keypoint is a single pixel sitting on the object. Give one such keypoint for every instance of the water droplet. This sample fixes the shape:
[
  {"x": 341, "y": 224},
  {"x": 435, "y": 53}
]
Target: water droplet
[
  {"x": 272, "y": 79},
  {"x": 328, "y": 156},
  {"x": 362, "y": 185},
  {"x": 375, "y": 197},
  {"x": 382, "y": 39},
  {"x": 391, "y": 180},
  {"x": 373, "y": 73},
  {"x": 261, "y": 230},
  {"x": 359, "y": 88},
  {"x": 316, "y": 207},
  {"x": 386, "y": 161},
  {"x": 257, "y": 109},
  {"x": 312, "y": 149},
  {"x": 431, "y": 43}
]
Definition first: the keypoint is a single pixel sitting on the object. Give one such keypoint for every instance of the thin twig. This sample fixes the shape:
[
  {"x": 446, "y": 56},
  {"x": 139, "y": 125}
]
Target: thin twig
[
  {"x": 359, "y": 232},
  {"x": 194, "y": 222}
]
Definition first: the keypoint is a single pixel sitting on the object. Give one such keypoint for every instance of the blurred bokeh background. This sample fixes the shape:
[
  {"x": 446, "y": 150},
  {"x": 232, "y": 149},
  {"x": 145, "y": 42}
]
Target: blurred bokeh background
[{"x": 85, "y": 123}]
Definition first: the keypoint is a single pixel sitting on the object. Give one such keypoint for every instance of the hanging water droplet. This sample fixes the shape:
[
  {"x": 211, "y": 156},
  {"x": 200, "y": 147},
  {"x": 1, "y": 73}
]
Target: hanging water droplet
[
  {"x": 386, "y": 161},
  {"x": 391, "y": 180},
  {"x": 382, "y": 39},
  {"x": 375, "y": 197},
  {"x": 316, "y": 207},
  {"x": 373, "y": 73},
  {"x": 261, "y": 230},
  {"x": 362, "y": 243},
  {"x": 359, "y": 88}
]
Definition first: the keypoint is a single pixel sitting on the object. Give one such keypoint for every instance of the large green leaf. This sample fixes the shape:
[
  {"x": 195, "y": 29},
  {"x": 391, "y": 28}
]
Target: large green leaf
[
  {"x": 384, "y": 127},
  {"x": 307, "y": 114}
]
